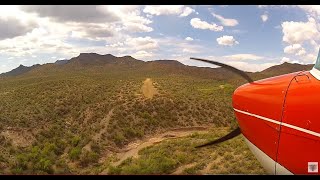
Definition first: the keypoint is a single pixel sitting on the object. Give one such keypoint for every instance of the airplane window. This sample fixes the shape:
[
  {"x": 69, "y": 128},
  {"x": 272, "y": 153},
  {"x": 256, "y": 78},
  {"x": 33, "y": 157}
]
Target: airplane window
[{"x": 317, "y": 65}]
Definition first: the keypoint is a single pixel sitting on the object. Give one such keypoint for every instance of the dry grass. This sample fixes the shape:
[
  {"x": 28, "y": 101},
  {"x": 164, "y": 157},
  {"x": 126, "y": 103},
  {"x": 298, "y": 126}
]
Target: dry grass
[{"x": 178, "y": 156}]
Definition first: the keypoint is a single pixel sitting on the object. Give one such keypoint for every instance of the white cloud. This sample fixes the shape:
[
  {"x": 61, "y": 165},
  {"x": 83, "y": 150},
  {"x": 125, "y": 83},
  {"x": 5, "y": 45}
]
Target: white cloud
[
  {"x": 298, "y": 32},
  {"x": 140, "y": 47},
  {"x": 172, "y": 45},
  {"x": 118, "y": 44},
  {"x": 262, "y": 6},
  {"x": 72, "y": 13},
  {"x": 225, "y": 21},
  {"x": 251, "y": 67},
  {"x": 40, "y": 40},
  {"x": 142, "y": 43},
  {"x": 264, "y": 17},
  {"x": 142, "y": 54},
  {"x": 285, "y": 59},
  {"x": 158, "y": 10},
  {"x": 241, "y": 57},
  {"x": 301, "y": 52},
  {"x": 301, "y": 59},
  {"x": 275, "y": 6},
  {"x": 136, "y": 27},
  {"x": 313, "y": 10},
  {"x": 245, "y": 66},
  {"x": 309, "y": 58},
  {"x": 134, "y": 44},
  {"x": 53, "y": 34},
  {"x": 288, "y": 60},
  {"x": 189, "y": 50},
  {"x": 198, "y": 24},
  {"x": 291, "y": 49},
  {"x": 187, "y": 11},
  {"x": 189, "y": 38},
  {"x": 130, "y": 17},
  {"x": 227, "y": 41}
]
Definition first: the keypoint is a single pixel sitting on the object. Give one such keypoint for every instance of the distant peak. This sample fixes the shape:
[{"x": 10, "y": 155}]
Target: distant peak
[
  {"x": 21, "y": 66},
  {"x": 127, "y": 56},
  {"x": 109, "y": 55},
  {"x": 94, "y": 55},
  {"x": 88, "y": 54}
]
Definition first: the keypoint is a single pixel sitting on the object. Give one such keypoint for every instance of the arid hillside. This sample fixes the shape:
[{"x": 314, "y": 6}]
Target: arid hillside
[{"x": 101, "y": 114}]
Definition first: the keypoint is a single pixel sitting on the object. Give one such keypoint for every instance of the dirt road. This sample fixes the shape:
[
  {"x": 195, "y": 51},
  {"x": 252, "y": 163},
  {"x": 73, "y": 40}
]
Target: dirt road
[{"x": 148, "y": 89}]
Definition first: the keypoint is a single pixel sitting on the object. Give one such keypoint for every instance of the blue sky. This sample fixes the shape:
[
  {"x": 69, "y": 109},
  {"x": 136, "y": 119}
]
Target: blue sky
[{"x": 248, "y": 37}]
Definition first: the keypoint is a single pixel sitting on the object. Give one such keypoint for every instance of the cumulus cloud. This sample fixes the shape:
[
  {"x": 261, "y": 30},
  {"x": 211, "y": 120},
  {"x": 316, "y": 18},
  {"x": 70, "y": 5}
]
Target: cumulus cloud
[
  {"x": 39, "y": 40},
  {"x": 133, "y": 45},
  {"x": 142, "y": 54},
  {"x": 301, "y": 52},
  {"x": 275, "y": 6},
  {"x": 75, "y": 13},
  {"x": 285, "y": 59},
  {"x": 264, "y": 17},
  {"x": 190, "y": 50},
  {"x": 187, "y": 11},
  {"x": 241, "y": 57},
  {"x": 11, "y": 27},
  {"x": 251, "y": 67},
  {"x": 225, "y": 21},
  {"x": 130, "y": 17},
  {"x": 245, "y": 66},
  {"x": 91, "y": 31},
  {"x": 298, "y": 32},
  {"x": 189, "y": 38},
  {"x": 172, "y": 45},
  {"x": 313, "y": 10},
  {"x": 158, "y": 10},
  {"x": 198, "y": 24},
  {"x": 291, "y": 49},
  {"x": 309, "y": 58},
  {"x": 296, "y": 49},
  {"x": 140, "y": 43},
  {"x": 227, "y": 41},
  {"x": 288, "y": 60}
]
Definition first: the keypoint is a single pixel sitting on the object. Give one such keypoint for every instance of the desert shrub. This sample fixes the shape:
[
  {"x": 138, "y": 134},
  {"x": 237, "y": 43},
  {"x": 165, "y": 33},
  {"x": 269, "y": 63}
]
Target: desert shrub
[
  {"x": 75, "y": 140},
  {"x": 75, "y": 153},
  {"x": 88, "y": 158}
]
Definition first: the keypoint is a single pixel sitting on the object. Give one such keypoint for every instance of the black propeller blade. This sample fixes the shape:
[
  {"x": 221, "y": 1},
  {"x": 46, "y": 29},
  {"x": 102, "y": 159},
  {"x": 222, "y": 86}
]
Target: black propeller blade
[
  {"x": 231, "y": 135},
  {"x": 235, "y": 70},
  {"x": 237, "y": 131}
]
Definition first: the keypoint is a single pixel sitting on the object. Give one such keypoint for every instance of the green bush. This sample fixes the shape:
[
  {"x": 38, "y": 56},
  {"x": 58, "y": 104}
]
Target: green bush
[
  {"x": 74, "y": 154},
  {"x": 75, "y": 140},
  {"x": 88, "y": 158}
]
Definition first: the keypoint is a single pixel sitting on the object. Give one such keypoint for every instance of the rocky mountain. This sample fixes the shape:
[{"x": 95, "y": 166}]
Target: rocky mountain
[
  {"x": 286, "y": 68},
  {"x": 19, "y": 70},
  {"x": 108, "y": 60}
]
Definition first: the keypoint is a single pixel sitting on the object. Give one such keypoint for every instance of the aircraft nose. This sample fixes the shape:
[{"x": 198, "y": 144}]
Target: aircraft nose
[{"x": 258, "y": 108}]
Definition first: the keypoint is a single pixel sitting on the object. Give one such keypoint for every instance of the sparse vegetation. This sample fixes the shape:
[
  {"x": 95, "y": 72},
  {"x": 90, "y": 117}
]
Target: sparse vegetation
[
  {"x": 166, "y": 157},
  {"x": 54, "y": 119}
]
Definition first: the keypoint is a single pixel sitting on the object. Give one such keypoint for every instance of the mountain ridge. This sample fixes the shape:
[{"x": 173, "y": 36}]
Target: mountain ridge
[{"x": 94, "y": 59}]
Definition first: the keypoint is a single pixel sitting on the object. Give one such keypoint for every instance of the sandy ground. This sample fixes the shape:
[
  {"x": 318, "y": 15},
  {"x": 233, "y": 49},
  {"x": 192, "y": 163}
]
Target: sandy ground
[
  {"x": 148, "y": 89},
  {"x": 132, "y": 149}
]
